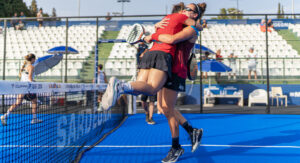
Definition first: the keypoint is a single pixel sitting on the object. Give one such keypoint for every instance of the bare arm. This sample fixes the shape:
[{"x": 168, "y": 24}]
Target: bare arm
[
  {"x": 30, "y": 72},
  {"x": 105, "y": 80},
  {"x": 186, "y": 34},
  {"x": 191, "y": 22}
]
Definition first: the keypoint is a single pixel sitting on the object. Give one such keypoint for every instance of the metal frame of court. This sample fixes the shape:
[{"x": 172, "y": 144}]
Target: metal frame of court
[{"x": 65, "y": 77}]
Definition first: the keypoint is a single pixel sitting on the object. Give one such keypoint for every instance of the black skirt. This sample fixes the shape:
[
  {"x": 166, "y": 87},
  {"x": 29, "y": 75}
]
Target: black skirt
[
  {"x": 157, "y": 60},
  {"x": 30, "y": 96}
]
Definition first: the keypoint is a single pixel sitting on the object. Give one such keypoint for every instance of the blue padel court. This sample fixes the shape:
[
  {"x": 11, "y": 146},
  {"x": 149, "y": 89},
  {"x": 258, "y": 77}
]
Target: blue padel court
[{"x": 227, "y": 138}]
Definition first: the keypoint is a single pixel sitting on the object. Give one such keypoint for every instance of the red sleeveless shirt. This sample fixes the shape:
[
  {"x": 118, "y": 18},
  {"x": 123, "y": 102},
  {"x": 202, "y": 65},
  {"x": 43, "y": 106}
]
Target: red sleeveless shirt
[
  {"x": 182, "y": 53},
  {"x": 175, "y": 25}
]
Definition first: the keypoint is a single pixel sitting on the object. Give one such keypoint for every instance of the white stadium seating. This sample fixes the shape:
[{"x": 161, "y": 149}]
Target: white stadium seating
[
  {"x": 39, "y": 40},
  {"x": 228, "y": 38}
]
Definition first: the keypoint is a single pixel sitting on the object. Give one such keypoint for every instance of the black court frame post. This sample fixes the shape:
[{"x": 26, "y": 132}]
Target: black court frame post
[
  {"x": 66, "y": 63},
  {"x": 267, "y": 62},
  {"x": 201, "y": 82},
  {"x": 66, "y": 52},
  {"x": 96, "y": 63},
  {"x": 4, "y": 49},
  {"x": 4, "y": 61}
]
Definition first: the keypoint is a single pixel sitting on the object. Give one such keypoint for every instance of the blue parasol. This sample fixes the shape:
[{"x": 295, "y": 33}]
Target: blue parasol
[
  {"x": 211, "y": 65},
  {"x": 62, "y": 50},
  {"x": 203, "y": 49},
  {"x": 45, "y": 63}
]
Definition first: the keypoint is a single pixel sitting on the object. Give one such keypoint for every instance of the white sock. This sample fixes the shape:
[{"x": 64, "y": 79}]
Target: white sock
[
  {"x": 127, "y": 87},
  {"x": 33, "y": 116}
]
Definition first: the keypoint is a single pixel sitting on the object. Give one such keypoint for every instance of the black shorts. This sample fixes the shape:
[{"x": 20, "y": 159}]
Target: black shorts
[
  {"x": 158, "y": 60},
  {"x": 30, "y": 96},
  {"x": 175, "y": 83},
  {"x": 151, "y": 98},
  {"x": 40, "y": 22}
]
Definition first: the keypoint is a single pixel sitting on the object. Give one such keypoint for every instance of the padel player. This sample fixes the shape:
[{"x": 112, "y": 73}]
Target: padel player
[{"x": 27, "y": 75}]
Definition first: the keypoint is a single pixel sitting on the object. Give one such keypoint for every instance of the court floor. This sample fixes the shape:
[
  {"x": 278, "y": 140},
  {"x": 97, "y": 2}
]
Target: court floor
[{"x": 227, "y": 138}]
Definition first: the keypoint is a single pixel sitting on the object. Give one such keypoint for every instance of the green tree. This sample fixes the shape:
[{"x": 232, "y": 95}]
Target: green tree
[
  {"x": 33, "y": 8},
  {"x": 282, "y": 12},
  {"x": 54, "y": 12},
  {"x": 278, "y": 11},
  {"x": 223, "y": 14},
  {"x": 235, "y": 12}
]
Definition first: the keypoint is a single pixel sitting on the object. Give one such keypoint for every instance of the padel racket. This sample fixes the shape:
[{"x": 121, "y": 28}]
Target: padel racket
[
  {"x": 136, "y": 34},
  {"x": 192, "y": 67}
]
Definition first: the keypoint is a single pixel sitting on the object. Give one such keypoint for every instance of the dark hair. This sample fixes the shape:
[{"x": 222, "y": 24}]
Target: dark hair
[
  {"x": 200, "y": 9},
  {"x": 178, "y": 7},
  {"x": 100, "y": 66},
  {"x": 28, "y": 58}
]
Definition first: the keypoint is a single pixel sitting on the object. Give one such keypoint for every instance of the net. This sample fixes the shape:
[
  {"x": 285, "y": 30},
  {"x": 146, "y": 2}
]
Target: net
[{"x": 67, "y": 120}]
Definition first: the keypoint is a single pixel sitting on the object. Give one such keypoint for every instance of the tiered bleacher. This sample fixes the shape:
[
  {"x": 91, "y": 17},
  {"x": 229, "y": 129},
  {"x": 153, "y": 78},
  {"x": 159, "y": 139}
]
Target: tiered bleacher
[
  {"x": 240, "y": 38},
  {"x": 228, "y": 38},
  {"x": 39, "y": 40}
]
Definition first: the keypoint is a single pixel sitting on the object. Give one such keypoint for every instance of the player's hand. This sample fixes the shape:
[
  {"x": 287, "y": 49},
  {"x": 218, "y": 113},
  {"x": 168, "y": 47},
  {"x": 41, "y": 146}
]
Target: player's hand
[
  {"x": 163, "y": 23},
  {"x": 198, "y": 25},
  {"x": 147, "y": 39}
]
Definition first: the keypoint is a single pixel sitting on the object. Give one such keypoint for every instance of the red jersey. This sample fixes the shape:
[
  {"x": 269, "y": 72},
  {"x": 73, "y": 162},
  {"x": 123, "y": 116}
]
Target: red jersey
[
  {"x": 219, "y": 58},
  {"x": 175, "y": 25},
  {"x": 181, "y": 58}
]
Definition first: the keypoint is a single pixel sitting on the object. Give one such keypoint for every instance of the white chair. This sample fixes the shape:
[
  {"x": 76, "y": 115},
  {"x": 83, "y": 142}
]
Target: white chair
[
  {"x": 276, "y": 93},
  {"x": 258, "y": 96}
]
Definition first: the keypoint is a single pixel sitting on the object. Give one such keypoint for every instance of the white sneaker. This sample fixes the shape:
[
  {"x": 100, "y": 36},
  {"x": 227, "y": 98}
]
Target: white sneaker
[
  {"x": 111, "y": 94},
  {"x": 35, "y": 120},
  {"x": 3, "y": 121}
]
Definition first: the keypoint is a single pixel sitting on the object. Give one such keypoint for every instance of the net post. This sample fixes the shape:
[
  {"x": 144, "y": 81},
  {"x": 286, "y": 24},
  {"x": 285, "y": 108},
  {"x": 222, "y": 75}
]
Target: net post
[
  {"x": 267, "y": 61},
  {"x": 4, "y": 61},
  {"x": 4, "y": 49}
]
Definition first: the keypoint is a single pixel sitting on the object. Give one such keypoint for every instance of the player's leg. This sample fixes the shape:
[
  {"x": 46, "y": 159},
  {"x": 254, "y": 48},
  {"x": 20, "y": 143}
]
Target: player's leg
[
  {"x": 145, "y": 106},
  {"x": 11, "y": 108},
  {"x": 34, "y": 111},
  {"x": 168, "y": 103},
  {"x": 152, "y": 100}
]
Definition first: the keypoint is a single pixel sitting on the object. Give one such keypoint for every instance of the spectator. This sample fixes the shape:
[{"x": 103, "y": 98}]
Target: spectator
[
  {"x": 100, "y": 80},
  {"x": 204, "y": 24},
  {"x": 252, "y": 63},
  {"x": 149, "y": 107},
  {"x": 14, "y": 22},
  {"x": 270, "y": 24},
  {"x": 232, "y": 65},
  {"x": 263, "y": 26},
  {"x": 108, "y": 17},
  {"x": 205, "y": 57},
  {"x": 22, "y": 16},
  {"x": 39, "y": 16},
  {"x": 220, "y": 59},
  {"x": 20, "y": 26}
]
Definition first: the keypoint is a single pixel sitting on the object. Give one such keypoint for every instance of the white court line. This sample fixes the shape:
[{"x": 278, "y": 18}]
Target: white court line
[{"x": 146, "y": 146}]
